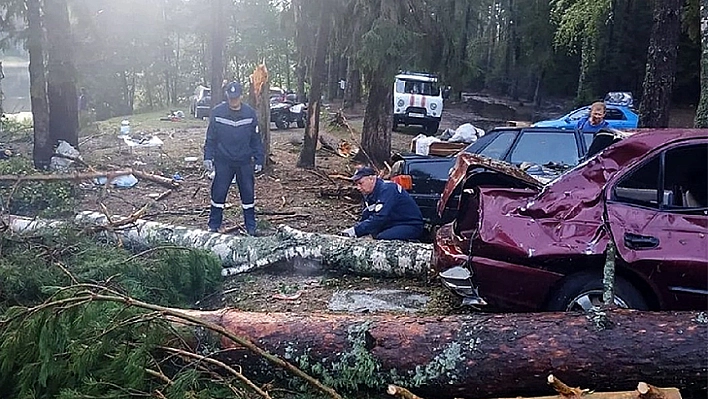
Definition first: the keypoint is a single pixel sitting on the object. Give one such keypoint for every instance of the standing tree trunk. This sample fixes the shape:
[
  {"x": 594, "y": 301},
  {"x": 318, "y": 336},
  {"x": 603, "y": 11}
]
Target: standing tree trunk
[
  {"x": 352, "y": 91},
  {"x": 661, "y": 64},
  {"x": 318, "y": 74},
  {"x": 218, "y": 38},
  {"x": 702, "y": 111},
  {"x": 376, "y": 133},
  {"x": 61, "y": 74},
  {"x": 43, "y": 146}
]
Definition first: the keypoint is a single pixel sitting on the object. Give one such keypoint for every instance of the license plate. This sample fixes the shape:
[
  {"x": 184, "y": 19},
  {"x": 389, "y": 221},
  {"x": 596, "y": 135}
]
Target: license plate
[{"x": 416, "y": 115}]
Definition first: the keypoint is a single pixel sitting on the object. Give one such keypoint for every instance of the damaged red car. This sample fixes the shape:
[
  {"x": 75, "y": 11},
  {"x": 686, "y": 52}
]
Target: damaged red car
[{"x": 519, "y": 245}]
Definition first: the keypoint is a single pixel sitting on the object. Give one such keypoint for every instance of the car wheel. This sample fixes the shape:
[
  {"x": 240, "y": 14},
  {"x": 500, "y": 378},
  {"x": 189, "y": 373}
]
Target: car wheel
[
  {"x": 301, "y": 121},
  {"x": 433, "y": 128},
  {"x": 281, "y": 121},
  {"x": 582, "y": 291}
]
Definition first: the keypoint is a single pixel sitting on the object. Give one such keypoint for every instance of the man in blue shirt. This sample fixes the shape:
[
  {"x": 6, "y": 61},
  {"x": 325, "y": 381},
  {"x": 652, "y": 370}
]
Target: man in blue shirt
[
  {"x": 595, "y": 121},
  {"x": 389, "y": 214},
  {"x": 233, "y": 148}
]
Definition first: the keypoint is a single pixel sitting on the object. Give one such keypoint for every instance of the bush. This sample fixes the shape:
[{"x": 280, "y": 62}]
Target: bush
[{"x": 34, "y": 198}]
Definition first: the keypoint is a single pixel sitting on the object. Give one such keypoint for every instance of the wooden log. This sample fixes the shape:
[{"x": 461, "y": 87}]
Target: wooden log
[
  {"x": 110, "y": 175},
  {"x": 643, "y": 389},
  {"x": 240, "y": 254},
  {"x": 483, "y": 355}
]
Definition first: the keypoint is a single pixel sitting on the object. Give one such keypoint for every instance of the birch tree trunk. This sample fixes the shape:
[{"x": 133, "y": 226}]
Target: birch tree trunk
[{"x": 240, "y": 254}]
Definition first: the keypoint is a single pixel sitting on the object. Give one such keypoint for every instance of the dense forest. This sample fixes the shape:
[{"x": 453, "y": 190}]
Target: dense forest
[{"x": 138, "y": 55}]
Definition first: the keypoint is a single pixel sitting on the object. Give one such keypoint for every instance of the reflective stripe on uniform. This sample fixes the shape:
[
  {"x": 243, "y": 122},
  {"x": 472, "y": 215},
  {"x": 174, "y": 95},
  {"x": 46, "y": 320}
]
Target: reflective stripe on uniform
[
  {"x": 248, "y": 206},
  {"x": 229, "y": 122},
  {"x": 215, "y": 205}
]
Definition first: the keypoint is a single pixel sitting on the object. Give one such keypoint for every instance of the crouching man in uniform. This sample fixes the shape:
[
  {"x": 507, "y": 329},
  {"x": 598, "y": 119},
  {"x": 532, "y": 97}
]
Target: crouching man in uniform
[
  {"x": 389, "y": 214},
  {"x": 234, "y": 149}
]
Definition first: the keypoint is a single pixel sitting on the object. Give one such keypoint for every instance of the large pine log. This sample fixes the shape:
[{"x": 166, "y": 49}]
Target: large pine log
[
  {"x": 241, "y": 254},
  {"x": 483, "y": 355}
]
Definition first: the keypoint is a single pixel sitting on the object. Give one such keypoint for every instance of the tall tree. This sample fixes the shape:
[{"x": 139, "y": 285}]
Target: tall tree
[
  {"x": 661, "y": 64},
  {"x": 218, "y": 38},
  {"x": 318, "y": 76},
  {"x": 43, "y": 145},
  {"x": 61, "y": 74},
  {"x": 702, "y": 111}
]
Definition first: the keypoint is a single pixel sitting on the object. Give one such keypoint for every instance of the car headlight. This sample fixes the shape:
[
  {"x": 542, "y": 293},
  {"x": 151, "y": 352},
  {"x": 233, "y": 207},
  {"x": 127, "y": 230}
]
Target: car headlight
[
  {"x": 400, "y": 102},
  {"x": 433, "y": 106}
]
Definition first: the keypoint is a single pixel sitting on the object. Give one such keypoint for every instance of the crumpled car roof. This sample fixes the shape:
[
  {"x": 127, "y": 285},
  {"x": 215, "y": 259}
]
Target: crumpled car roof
[{"x": 567, "y": 215}]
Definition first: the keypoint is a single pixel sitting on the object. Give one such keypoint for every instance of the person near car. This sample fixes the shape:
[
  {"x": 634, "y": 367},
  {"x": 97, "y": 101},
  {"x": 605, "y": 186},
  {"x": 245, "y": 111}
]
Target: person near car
[
  {"x": 234, "y": 150},
  {"x": 595, "y": 120},
  {"x": 389, "y": 211}
]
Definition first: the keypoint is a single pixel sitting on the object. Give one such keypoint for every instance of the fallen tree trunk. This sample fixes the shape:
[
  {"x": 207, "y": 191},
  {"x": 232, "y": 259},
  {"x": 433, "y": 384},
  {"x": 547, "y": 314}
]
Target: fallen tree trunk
[
  {"x": 480, "y": 355},
  {"x": 241, "y": 254}
]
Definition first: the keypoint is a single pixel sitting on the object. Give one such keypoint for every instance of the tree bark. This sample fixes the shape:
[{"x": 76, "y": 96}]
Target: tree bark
[
  {"x": 61, "y": 75},
  {"x": 376, "y": 133},
  {"x": 240, "y": 254},
  {"x": 218, "y": 39},
  {"x": 702, "y": 111},
  {"x": 318, "y": 76},
  {"x": 43, "y": 147},
  {"x": 481, "y": 355},
  {"x": 661, "y": 64}
]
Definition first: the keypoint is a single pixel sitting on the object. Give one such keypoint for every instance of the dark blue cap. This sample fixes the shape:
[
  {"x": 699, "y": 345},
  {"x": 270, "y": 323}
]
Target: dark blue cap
[
  {"x": 233, "y": 90},
  {"x": 363, "y": 172}
]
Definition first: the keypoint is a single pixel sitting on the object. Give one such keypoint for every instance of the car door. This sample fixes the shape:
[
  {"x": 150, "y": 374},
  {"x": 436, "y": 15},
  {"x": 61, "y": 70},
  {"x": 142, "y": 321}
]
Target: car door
[{"x": 658, "y": 215}]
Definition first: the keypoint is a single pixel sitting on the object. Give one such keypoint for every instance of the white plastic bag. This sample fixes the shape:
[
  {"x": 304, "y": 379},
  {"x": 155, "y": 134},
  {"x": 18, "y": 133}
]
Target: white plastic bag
[
  {"x": 466, "y": 133},
  {"x": 423, "y": 142}
]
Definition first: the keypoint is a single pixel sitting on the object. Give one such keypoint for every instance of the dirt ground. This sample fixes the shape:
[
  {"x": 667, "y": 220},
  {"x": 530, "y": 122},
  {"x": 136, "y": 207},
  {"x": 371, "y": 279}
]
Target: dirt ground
[{"x": 285, "y": 194}]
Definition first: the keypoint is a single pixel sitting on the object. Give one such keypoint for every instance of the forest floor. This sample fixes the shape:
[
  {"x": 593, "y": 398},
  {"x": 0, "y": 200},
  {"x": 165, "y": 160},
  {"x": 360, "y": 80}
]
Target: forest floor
[{"x": 285, "y": 194}]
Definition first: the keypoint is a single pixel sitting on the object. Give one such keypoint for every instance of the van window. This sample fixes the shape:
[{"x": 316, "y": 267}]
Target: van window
[{"x": 417, "y": 87}]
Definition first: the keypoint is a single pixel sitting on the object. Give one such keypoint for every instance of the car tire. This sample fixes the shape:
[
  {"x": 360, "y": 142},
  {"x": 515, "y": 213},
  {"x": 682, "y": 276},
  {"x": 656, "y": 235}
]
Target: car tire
[
  {"x": 432, "y": 128},
  {"x": 281, "y": 121},
  {"x": 301, "y": 121},
  {"x": 581, "y": 291}
]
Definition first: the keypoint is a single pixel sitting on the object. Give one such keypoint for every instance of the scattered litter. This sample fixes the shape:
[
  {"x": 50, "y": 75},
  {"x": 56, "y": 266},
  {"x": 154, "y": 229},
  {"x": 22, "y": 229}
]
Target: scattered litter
[
  {"x": 423, "y": 142},
  {"x": 174, "y": 116},
  {"x": 177, "y": 177},
  {"x": 139, "y": 163},
  {"x": 191, "y": 159},
  {"x": 66, "y": 156},
  {"x": 124, "y": 181},
  {"x": 154, "y": 195},
  {"x": 284, "y": 297},
  {"x": 124, "y": 128},
  {"x": 149, "y": 141},
  {"x": 466, "y": 133}
]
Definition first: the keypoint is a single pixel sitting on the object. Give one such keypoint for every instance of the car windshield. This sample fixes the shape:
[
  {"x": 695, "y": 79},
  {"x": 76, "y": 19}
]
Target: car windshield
[
  {"x": 417, "y": 87},
  {"x": 546, "y": 148}
]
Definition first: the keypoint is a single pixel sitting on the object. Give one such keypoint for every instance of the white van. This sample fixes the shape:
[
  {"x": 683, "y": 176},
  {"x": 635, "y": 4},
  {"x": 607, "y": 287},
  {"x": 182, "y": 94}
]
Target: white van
[{"x": 417, "y": 100}]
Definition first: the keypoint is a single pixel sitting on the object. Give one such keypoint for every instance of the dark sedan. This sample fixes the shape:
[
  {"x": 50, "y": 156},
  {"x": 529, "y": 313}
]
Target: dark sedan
[
  {"x": 543, "y": 152},
  {"x": 532, "y": 247}
]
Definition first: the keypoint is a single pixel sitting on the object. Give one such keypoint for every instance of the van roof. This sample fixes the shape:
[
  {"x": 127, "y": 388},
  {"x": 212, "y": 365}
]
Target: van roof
[{"x": 424, "y": 77}]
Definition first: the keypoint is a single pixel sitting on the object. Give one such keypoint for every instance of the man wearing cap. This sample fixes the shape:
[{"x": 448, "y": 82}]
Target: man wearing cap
[
  {"x": 233, "y": 148},
  {"x": 389, "y": 213}
]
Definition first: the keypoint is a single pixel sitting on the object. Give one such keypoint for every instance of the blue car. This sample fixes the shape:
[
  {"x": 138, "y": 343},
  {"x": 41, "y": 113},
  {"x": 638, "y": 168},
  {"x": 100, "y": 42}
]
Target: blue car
[{"x": 619, "y": 115}]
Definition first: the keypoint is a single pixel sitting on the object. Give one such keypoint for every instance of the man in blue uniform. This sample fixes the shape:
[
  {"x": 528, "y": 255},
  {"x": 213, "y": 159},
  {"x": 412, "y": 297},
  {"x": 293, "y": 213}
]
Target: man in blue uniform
[
  {"x": 389, "y": 214},
  {"x": 234, "y": 149},
  {"x": 595, "y": 121}
]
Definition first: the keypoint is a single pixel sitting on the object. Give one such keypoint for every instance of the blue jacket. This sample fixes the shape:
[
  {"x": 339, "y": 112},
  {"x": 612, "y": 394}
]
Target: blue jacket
[
  {"x": 388, "y": 205},
  {"x": 584, "y": 125},
  {"x": 233, "y": 135}
]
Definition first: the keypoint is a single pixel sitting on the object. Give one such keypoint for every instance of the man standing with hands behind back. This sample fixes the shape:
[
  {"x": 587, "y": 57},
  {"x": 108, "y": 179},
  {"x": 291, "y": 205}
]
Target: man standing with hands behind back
[{"x": 233, "y": 148}]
